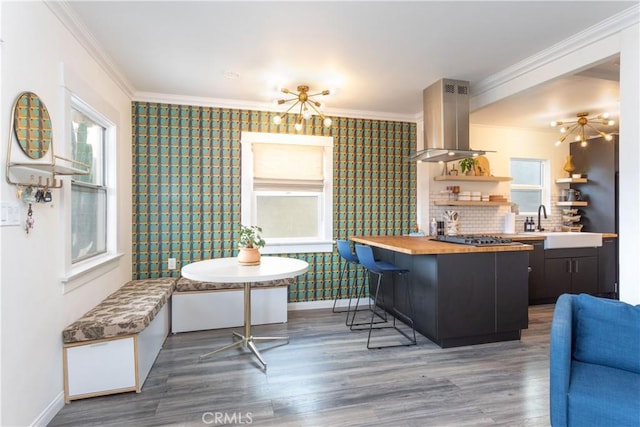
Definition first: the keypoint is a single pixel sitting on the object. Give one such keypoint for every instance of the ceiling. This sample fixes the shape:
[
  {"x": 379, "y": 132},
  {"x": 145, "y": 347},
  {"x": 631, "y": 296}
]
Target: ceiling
[{"x": 379, "y": 56}]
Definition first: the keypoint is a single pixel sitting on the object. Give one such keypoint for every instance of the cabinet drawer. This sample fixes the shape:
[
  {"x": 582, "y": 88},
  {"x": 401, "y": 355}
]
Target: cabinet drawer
[
  {"x": 102, "y": 366},
  {"x": 570, "y": 252}
]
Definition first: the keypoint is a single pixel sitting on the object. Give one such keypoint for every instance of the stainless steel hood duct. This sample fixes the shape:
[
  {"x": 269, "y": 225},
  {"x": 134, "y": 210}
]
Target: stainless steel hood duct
[{"x": 446, "y": 122}]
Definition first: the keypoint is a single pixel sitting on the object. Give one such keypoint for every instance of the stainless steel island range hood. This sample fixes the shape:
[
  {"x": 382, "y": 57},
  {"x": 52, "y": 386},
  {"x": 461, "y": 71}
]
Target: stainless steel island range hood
[{"x": 446, "y": 122}]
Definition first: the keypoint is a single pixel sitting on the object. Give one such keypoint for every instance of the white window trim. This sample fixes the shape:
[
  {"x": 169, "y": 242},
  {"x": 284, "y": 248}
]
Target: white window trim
[
  {"x": 80, "y": 273},
  {"x": 545, "y": 186},
  {"x": 247, "y": 214}
]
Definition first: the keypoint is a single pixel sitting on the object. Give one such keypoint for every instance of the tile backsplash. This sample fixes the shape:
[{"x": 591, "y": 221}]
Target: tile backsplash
[{"x": 489, "y": 219}]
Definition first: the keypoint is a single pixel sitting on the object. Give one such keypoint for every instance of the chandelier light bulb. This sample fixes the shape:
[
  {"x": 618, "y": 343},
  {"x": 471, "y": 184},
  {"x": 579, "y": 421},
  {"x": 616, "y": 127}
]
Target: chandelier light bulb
[
  {"x": 303, "y": 104},
  {"x": 584, "y": 127},
  {"x": 276, "y": 120},
  {"x": 327, "y": 122}
]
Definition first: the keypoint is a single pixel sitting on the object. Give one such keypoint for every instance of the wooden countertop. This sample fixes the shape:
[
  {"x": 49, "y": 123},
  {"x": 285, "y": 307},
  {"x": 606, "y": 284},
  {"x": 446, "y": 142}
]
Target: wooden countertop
[
  {"x": 423, "y": 245},
  {"x": 522, "y": 237}
]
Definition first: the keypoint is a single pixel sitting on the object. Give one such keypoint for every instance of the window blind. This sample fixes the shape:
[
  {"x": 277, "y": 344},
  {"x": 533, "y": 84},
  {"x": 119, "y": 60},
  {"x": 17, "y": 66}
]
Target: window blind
[{"x": 282, "y": 167}]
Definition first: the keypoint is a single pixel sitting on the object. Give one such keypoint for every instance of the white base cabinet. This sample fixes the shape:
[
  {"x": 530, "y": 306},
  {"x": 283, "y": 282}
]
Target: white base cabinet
[
  {"x": 113, "y": 365},
  {"x": 196, "y": 311}
]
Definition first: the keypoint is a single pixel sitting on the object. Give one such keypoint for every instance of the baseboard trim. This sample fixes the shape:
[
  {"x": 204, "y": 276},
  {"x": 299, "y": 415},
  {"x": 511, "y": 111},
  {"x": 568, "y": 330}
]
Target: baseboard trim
[
  {"x": 313, "y": 305},
  {"x": 50, "y": 411}
]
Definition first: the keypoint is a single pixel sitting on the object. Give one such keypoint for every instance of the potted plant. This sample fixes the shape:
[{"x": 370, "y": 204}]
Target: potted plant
[
  {"x": 468, "y": 166},
  {"x": 250, "y": 243}
]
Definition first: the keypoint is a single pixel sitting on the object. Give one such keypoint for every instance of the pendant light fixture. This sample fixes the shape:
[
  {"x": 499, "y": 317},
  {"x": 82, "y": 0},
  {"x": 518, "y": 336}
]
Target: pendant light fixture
[
  {"x": 307, "y": 106},
  {"x": 578, "y": 126}
]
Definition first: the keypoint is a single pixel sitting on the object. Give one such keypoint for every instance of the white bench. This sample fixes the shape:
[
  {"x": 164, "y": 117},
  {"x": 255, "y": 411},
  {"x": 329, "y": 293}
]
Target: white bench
[
  {"x": 112, "y": 347},
  {"x": 197, "y": 306}
]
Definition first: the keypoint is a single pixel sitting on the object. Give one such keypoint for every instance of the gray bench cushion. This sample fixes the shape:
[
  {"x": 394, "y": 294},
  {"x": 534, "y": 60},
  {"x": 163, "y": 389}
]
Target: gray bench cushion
[{"x": 127, "y": 311}]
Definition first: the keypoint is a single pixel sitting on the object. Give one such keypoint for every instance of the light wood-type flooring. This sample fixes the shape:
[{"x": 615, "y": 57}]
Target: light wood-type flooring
[{"x": 325, "y": 376}]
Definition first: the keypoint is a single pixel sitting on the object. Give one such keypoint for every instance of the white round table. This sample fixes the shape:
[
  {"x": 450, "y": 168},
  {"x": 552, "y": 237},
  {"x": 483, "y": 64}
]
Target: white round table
[{"x": 228, "y": 270}]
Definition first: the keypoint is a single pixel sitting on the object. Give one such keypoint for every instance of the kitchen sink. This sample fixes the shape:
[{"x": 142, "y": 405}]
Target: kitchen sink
[{"x": 569, "y": 239}]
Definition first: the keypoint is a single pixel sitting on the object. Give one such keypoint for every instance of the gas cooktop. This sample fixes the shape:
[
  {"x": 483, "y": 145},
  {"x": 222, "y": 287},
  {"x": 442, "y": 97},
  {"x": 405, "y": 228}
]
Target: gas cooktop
[{"x": 477, "y": 240}]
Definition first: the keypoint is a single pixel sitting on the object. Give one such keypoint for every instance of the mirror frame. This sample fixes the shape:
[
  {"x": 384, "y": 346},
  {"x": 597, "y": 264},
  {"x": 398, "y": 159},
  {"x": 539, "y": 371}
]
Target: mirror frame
[{"x": 32, "y": 125}]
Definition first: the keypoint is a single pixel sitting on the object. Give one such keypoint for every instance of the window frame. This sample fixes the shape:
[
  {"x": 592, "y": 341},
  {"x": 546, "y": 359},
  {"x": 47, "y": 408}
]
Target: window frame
[
  {"x": 322, "y": 243},
  {"x": 83, "y": 271},
  {"x": 544, "y": 187},
  {"x": 97, "y": 187}
]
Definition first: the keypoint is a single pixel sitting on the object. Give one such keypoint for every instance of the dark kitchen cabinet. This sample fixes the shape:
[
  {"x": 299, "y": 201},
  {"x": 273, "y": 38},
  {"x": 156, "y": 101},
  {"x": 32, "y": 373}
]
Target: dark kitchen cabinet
[
  {"x": 608, "y": 268},
  {"x": 599, "y": 162},
  {"x": 462, "y": 299},
  {"x": 469, "y": 294},
  {"x": 571, "y": 271},
  {"x": 539, "y": 292}
]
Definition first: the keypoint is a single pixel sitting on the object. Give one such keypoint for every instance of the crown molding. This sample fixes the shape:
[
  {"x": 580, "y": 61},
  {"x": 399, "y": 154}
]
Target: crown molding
[
  {"x": 79, "y": 30},
  {"x": 593, "y": 34},
  {"x": 200, "y": 101}
]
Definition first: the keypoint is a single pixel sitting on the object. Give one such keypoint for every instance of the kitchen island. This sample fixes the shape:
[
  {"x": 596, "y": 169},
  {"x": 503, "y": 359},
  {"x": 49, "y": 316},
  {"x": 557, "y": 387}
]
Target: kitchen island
[{"x": 461, "y": 295}]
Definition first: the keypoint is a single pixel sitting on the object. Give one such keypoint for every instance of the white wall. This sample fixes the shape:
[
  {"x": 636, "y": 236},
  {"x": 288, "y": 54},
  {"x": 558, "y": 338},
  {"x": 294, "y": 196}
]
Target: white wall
[
  {"x": 629, "y": 159},
  {"x": 38, "y": 55}
]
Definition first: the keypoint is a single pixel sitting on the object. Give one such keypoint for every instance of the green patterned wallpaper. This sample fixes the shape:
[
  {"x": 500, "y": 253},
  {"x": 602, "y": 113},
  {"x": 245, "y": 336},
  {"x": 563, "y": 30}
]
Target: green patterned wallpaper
[{"x": 186, "y": 186}]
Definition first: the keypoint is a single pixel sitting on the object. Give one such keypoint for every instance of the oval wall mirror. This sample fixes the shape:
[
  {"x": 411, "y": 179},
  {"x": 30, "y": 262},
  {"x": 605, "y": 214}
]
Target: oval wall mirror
[{"x": 32, "y": 125}]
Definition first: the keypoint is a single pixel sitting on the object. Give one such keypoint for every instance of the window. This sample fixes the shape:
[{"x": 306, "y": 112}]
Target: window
[
  {"x": 88, "y": 192},
  {"x": 530, "y": 184},
  {"x": 287, "y": 183}
]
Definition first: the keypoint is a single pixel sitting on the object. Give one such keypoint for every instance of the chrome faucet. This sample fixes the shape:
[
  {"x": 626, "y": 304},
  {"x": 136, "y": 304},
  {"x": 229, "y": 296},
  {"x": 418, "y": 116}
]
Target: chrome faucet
[{"x": 539, "y": 228}]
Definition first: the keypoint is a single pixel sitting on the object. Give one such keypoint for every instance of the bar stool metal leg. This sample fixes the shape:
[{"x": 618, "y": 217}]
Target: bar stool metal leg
[
  {"x": 396, "y": 313},
  {"x": 344, "y": 266},
  {"x": 359, "y": 295}
]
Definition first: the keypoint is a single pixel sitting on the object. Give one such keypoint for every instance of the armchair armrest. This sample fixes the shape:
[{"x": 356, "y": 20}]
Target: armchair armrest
[{"x": 560, "y": 359}]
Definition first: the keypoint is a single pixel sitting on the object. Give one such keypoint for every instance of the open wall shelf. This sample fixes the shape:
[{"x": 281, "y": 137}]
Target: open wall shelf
[
  {"x": 468, "y": 203},
  {"x": 571, "y": 180},
  {"x": 468, "y": 178}
]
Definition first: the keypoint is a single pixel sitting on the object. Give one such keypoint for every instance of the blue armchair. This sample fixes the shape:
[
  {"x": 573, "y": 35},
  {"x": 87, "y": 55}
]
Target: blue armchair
[{"x": 595, "y": 362}]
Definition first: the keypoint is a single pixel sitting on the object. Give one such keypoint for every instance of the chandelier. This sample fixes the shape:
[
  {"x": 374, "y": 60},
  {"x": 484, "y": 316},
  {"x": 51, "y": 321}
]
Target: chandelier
[
  {"x": 307, "y": 105},
  {"x": 578, "y": 126}
]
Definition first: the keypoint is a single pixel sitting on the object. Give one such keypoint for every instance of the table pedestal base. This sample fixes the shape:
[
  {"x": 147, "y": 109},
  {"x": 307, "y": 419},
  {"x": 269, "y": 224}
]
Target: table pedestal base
[{"x": 246, "y": 340}]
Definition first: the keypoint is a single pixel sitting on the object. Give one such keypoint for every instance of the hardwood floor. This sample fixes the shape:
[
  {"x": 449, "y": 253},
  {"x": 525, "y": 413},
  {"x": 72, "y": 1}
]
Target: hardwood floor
[{"x": 325, "y": 376}]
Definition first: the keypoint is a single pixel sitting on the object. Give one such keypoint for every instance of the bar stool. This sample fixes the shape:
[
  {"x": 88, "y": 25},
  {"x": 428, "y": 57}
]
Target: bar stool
[
  {"x": 380, "y": 268},
  {"x": 350, "y": 259}
]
